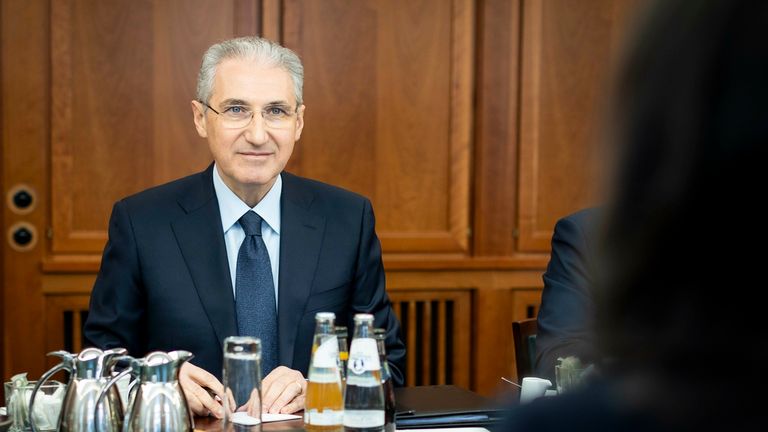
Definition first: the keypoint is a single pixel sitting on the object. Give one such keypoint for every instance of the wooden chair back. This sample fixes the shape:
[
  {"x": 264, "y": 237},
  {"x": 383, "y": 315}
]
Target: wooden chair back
[{"x": 524, "y": 337}]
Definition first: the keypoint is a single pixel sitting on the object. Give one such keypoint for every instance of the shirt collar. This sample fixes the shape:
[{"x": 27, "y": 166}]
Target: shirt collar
[{"x": 232, "y": 207}]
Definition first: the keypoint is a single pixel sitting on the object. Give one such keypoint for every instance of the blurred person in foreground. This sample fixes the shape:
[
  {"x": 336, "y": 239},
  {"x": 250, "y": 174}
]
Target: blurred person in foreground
[
  {"x": 677, "y": 316},
  {"x": 242, "y": 248}
]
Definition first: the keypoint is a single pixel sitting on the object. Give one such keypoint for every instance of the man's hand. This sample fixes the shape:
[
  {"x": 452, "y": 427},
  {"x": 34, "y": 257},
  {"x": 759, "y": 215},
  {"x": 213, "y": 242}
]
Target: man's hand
[
  {"x": 283, "y": 391},
  {"x": 196, "y": 383}
]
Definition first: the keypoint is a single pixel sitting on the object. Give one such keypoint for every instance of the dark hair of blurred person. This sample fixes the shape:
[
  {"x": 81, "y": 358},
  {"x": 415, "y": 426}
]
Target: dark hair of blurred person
[{"x": 678, "y": 317}]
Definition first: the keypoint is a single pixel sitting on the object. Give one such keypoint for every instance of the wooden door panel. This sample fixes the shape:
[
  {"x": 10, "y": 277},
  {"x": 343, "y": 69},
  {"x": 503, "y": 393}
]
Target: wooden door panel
[
  {"x": 496, "y": 129},
  {"x": 388, "y": 95},
  {"x": 566, "y": 58},
  {"x": 122, "y": 78}
]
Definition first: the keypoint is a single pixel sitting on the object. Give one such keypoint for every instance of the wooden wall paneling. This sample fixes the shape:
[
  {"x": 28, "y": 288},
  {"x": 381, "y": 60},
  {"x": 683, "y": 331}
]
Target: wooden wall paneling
[
  {"x": 496, "y": 134},
  {"x": 461, "y": 121},
  {"x": 492, "y": 344},
  {"x": 461, "y": 337},
  {"x": 182, "y": 31},
  {"x": 427, "y": 362},
  {"x": 388, "y": 91},
  {"x": 442, "y": 343},
  {"x": 447, "y": 262},
  {"x": 123, "y": 75},
  {"x": 64, "y": 319},
  {"x": 272, "y": 20},
  {"x": 2, "y": 224},
  {"x": 248, "y": 17},
  {"x": 100, "y": 72},
  {"x": 437, "y": 334},
  {"x": 66, "y": 299},
  {"x": 337, "y": 144},
  {"x": 24, "y": 54},
  {"x": 67, "y": 284},
  {"x": 493, "y": 310},
  {"x": 526, "y": 304},
  {"x": 411, "y": 342},
  {"x": 463, "y": 278},
  {"x": 566, "y": 54}
]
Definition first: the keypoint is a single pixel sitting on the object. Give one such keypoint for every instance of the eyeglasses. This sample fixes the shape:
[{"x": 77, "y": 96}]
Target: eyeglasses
[{"x": 238, "y": 116}]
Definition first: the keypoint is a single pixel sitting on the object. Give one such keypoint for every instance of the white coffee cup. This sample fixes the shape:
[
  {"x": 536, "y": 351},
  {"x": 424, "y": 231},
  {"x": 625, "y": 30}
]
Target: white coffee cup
[{"x": 533, "y": 388}]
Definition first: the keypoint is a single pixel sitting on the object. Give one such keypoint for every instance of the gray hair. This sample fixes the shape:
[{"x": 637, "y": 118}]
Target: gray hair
[{"x": 251, "y": 48}]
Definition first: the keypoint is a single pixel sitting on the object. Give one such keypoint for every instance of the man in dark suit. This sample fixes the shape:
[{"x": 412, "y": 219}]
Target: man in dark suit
[
  {"x": 176, "y": 272},
  {"x": 567, "y": 304}
]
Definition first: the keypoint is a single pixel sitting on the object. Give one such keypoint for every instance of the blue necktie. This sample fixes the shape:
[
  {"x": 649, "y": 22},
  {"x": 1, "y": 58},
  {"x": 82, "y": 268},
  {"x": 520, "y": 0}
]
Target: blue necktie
[{"x": 255, "y": 292}]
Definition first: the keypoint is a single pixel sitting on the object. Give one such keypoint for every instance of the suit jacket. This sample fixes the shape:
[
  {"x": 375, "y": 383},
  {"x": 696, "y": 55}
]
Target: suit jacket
[
  {"x": 567, "y": 307},
  {"x": 164, "y": 282}
]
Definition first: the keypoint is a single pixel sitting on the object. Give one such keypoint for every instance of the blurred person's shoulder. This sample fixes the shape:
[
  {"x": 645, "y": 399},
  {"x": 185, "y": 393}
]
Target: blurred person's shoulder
[
  {"x": 587, "y": 219},
  {"x": 593, "y": 409}
]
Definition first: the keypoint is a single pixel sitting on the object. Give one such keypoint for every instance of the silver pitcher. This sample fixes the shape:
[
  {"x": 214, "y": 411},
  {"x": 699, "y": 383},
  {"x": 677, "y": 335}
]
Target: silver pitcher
[
  {"x": 88, "y": 376},
  {"x": 156, "y": 402}
]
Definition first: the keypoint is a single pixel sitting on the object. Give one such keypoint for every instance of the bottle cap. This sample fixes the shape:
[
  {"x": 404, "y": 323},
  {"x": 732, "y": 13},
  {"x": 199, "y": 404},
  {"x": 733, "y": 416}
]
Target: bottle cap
[
  {"x": 362, "y": 317},
  {"x": 325, "y": 315}
]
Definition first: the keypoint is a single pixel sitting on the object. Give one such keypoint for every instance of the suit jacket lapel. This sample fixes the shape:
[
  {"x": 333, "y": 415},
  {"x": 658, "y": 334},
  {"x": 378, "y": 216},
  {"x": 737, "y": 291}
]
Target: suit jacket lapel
[
  {"x": 301, "y": 236},
  {"x": 201, "y": 240}
]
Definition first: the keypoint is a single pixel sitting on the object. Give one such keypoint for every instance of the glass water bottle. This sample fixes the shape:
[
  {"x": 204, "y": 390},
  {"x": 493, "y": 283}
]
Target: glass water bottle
[
  {"x": 341, "y": 335},
  {"x": 324, "y": 406},
  {"x": 364, "y": 396},
  {"x": 386, "y": 381}
]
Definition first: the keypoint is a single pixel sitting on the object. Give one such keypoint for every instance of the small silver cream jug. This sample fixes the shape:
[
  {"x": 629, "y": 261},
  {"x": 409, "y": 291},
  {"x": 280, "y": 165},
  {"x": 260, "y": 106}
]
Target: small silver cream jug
[
  {"x": 156, "y": 402},
  {"x": 88, "y": 376}
]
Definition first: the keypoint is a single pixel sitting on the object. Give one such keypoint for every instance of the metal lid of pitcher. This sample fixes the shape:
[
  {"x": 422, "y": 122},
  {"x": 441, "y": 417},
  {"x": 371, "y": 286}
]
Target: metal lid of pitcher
[
  {"x": 93, "y": 363},
  {"x": 160, "y": 366}
]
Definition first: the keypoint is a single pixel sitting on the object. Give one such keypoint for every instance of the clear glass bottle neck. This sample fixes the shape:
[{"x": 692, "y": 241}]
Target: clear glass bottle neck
[
  {"x": 324, "y": 326},
  {"x": 363, "y": 329}
]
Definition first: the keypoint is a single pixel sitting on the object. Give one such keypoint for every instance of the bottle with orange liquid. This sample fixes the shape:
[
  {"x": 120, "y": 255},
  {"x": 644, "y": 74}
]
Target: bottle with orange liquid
[{"x": 324, "y": 406}]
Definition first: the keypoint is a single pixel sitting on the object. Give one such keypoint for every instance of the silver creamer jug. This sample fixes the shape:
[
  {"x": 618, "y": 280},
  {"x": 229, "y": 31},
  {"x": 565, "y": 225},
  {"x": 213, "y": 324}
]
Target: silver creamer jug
[
  {"x": 156, "y": 402},
  {"x": 88, "y": 376}
]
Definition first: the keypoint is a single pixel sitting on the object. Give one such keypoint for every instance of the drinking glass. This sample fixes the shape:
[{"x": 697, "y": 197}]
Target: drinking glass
[
  {"x": 568, "y": 379},
  {"x": 242, "y": 380},
  {"x": 47, "y": 405}
]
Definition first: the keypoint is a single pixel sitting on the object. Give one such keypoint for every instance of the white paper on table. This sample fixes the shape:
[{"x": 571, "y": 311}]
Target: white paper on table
[
  {"x": 2, "y": 411},
  {"x": 266, "y": 418},
  {"x": 244, "y": 419}
]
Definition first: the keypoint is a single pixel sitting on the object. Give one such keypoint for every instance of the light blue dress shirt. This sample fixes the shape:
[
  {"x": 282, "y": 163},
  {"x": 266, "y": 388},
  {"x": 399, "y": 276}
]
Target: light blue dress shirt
[{"x": 232, "y": 208}]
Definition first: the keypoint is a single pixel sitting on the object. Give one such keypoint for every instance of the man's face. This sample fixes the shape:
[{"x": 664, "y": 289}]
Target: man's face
[{"x": 249, "y": 158}]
